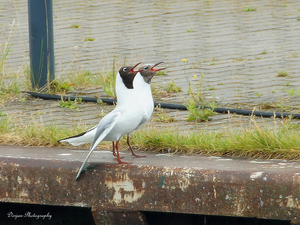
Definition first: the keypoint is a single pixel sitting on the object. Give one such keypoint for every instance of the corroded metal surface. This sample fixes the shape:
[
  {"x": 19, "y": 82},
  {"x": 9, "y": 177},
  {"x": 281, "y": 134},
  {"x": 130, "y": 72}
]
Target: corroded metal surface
[{"x": 163, "y": 183}]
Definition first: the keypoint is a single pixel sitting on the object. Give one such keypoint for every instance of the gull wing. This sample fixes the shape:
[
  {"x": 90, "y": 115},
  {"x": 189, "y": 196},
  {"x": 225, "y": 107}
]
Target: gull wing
[
  {"x": 143, "y": 121},
  {"x": 103, "y": 128}
]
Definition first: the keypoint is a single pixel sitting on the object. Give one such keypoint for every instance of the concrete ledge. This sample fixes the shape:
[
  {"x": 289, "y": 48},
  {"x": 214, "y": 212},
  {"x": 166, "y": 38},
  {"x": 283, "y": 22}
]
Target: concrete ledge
[{"x": 161, "y": 183}]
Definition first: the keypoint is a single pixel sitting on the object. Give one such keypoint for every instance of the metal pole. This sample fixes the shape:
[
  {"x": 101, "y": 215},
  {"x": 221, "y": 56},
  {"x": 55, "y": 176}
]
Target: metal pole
[{"x": 41, "y": 46}]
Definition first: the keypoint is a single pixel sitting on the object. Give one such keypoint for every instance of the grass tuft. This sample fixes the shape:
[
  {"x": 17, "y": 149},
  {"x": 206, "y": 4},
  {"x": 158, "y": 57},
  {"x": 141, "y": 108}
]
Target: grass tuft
[
  {"x": 280, "y": 141},
  {"x": 249, "y": 9},
  {"x": 282, "y": 73}
]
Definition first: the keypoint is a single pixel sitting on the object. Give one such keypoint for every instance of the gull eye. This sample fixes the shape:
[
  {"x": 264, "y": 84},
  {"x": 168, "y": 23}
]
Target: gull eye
[
  {"x": 146, "y": 67},
  {"x": 125, "y": 69}
]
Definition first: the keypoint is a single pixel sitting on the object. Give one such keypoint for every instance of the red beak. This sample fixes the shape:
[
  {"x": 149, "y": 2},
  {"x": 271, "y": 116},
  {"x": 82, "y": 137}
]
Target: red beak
[
  {"x": 152, "y": 68},
  {"x": 132, "y": 69}
]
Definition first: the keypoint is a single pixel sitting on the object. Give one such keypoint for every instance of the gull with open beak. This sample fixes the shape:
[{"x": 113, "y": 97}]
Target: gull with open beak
[
  {"x": 143, "y": 93},
  {"x": 134, "y": 108},
  {"x": 121, "y": 121}
]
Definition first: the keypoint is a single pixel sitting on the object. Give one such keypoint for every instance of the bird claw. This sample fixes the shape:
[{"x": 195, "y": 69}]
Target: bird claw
[{"x": 122, "y": 162}]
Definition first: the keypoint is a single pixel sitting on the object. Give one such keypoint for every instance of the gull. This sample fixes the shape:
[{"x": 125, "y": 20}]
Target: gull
[{"x": 142, "y": 88}]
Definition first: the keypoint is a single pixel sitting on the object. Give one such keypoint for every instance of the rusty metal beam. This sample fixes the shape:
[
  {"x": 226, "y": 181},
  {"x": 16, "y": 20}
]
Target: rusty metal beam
[{"x": 162, "y": 183}]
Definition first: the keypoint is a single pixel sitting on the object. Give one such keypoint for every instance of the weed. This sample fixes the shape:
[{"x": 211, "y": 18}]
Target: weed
[
  {"x": 258, "y": 94},
  {"x": 100, "y": 102},
  {"x": 2, "y": 114},
  {"x": 282, "y": 73},
  {"x": 249, "y": 9},
  {"x": 160, "y": 73},
  {"x": 291, "y": 92},
  {"x": 263, "y": 52},
  {"x": 196, "y": 102},
  {"x": 283, "y": 107},
  {"x": 61, "y": 87},
  {"x": 241, "y": 59},
  {"x": 85, "y": 79},
  {"x": 76, "y": 25},
  {"x": 89, "y": 39},
  {"x": 164, "y": 117},
  {"x": 210, "y": 88},
  {"x": 70, "y": 104},
  {"x": 108, "y": 81},
  {"x": 4, "y": 55},
  {"x": 10, "y": 84},
  {"x": 173, "y": 88},
  {"x": 196, "y": 113}
]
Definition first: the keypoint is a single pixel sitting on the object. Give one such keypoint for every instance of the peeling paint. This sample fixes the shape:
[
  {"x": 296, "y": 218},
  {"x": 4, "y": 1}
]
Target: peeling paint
[
  {"x": 255, "y": 175},
  {"x": 23, "y": 193},
  {"x": 124, "y": 190},
  {"x": 292, "y": 203},
  {"x": 19, "y": 179}
]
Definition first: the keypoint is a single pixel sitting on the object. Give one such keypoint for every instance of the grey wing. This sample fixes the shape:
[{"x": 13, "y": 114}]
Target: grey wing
[
  {"x": 103, "y": 128},
  {"x": 143, "y": 121}
]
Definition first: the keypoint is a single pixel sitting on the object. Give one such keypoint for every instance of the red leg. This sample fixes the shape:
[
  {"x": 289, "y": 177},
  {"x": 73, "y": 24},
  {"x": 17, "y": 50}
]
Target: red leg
[
  {"x": 113, "y": 149},
  {"x": 118, "y": 154},
  {"x": 133, "y": 154}
]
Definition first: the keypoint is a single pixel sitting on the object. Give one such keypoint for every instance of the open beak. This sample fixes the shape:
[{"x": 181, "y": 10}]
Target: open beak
[
  {"x": 152, "y": 68},
  {"x": 132, "y": 69}
]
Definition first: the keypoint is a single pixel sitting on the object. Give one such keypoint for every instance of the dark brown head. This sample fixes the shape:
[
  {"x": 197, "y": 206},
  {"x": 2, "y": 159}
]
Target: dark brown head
[
  {"x": 127, "y": 74},
  {"x": 148, "y": 71}
]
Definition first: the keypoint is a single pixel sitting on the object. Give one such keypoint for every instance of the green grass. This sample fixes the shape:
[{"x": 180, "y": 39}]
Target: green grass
[
  {"x": 76, "y": 25},
  {"x": 282, "y": 73},
  {"x": 162, "y": 116},
  {"x": 34, "y": 133},
  {"x": 249, "y": 9},
  {"x": 70, "y": 104},
  {"x": 280, "y": 141},
  {"x": 195, "y": 102},
  {"x": 198, "y": 114},
  {"x": 173, "y": 88},
  {"x": 10, "y": 82},
  {"x": 258, "y": 142},
  {"x": 89, "y": 39}
]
